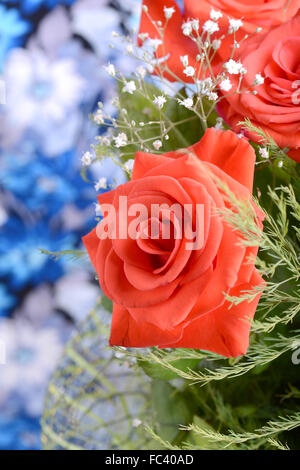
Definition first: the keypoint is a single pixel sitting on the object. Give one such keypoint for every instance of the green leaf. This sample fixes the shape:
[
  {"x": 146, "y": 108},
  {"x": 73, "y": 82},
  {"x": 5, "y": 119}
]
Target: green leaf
[
  {"x": 170, "y": 411},
  {"x": 156, "y": 371}
]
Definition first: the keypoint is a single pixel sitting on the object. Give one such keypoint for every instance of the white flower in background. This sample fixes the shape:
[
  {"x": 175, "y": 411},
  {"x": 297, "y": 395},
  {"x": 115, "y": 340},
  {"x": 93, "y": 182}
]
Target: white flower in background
[
  {"x": 210, "y": 27},
  {"x": 86, "y": 159},
  {"x": 187, "y": 28},
  {"x": 212, "y": 96},
  {"x": 189, "y": 71},
  {"x": 136, "y": 422},
  {"x": 129, "y": 164},
  {"x": 235, "y": 25},
  {"x": 110, "y": 69},
  {"x": 169, "y": 12},
  {"x": 141, "y": 71},
  {"x": 187, "y": 102},
  {"x": 225, "y": 85},
  {"x": 154, "y": 43},
  {"x": 99, "y": 117},
  {"x": 215, "y": 15},
  {"x": 101, "y": 184},
  {"x": 129, "y": 87},
  {"x": 195, "y": 24},
  {"x": 185, "y": 60},
  {"x": 259, "y": 80},
  {"x": 216, "y": 44},
  {"x": 233, "y": 67},
  {"x": 129, "y": 49},
  {"x": 159, "y": 101},
  {"x": 120, "y": 140},
  {"x": 157, "y": 144},
  {"x": 264, "y": 153},
  {"x": 143, "y": 36}
]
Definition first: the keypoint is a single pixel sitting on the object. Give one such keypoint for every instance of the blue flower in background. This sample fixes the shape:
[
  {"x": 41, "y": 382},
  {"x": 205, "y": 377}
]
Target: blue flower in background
[
  {"x": 13, "y": 28},
  {"x": 7, "y": 301},
  {"x": 30, "y": 6},
  {"x": 20, "y": 433}
]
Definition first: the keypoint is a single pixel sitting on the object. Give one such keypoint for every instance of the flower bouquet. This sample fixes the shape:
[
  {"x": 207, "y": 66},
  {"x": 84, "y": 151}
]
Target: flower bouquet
[{"x": 194, "y": 343}]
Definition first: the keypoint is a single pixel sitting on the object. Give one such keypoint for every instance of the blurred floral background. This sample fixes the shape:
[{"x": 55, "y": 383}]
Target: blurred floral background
[{"x": 52, "y": 57}]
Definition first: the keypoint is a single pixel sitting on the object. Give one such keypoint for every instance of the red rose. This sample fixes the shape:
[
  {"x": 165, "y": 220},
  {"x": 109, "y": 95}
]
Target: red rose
[
  {"x": 254, "y": 14},
  {"x": 164, "y": 293},
  {"x": 276, "y": 106}
]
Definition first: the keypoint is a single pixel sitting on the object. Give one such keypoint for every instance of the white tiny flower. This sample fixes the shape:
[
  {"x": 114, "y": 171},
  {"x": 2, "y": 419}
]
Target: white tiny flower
[
  {"x": 243, "y": 71},
  {"x": 154, "y": 43},
  {"x": 157, "y": 144},
  {"x": 129, "y": 164},
  {"x": 169, "y": 12},
  {"x": 141, "y": 71},
  {"x": 86, "y": 159},
  {"x": 258, "y": 30},
  {"x": 225, "y": 85},
  {"x": 136, "y": 422},
  {"x": 234, "y": 25},
  {"x": 264, "y": 153},
  {"x": 213, "y": 96},
  {"x": 99, "y": 117},
  {"x": 115, "y": 34},
  {"x": 195, "y": 25},
  {"x": 187, "y": 102},
  {"x": 145, "y": 8},
  {"x": 215, "y": 15},
  {"x": 210, "y": 27},
  {"x": 185, "y": 60},
  {"x": 167, "y": 137},
  {"x": 129, "y": 49},
  {"x": 110, "y": 69},
  {"x": 280, "y": 164},
  {"x": 187, "y": 28},
  {"x": 189, "y": 71},
  {"x": 101, "y": 184},
  {"x": 233, "y": 67},
  {"x": 216, "y": 44},
  {"x": 143, "y": 36},
  {"x": 259, "y": 80},
  {"x": 120, "y": 140},
  {"x": 159, "y": 101},
  {"x": 129, "y": 87}
]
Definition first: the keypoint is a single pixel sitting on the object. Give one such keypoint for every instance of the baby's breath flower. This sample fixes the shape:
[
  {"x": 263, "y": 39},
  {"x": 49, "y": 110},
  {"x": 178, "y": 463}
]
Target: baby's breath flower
[
  {"x": 213, "y": 96},
  {"x": 233, "y": 67},
  {"x": 189, "y": 71},
  {"x": 185, "y": 60},
  {"x": 225, "y": 85},
  {"x": 86, "y": 159},
  {"x": 157, "y": 144},
  {"x": 129, "y": 164},
  {"x": 110, "y": 69},
  {"x": 154, "y": 43},
  {"x": 129, "y": 87},
  {"x": 129, "y": 49},
  {"x": 169, "y": 12},
  {"x": 120, "y": 140},
  {"x": 143, "y": 36},
  {"x": 234, "y": 25},
  {"x": 219, "y": 124},
  {"x": 141, "y": 71},
  {"x": 136, "y": 422},
  {"x": 215, "y": 15},
  {"x": 195, "y": 25},
  {"x": 264, "y": 153},
  {"x": 101, "y": 184},
  {"x": 210, "y": 27},
  {"x": 159, "y": 101},
  {"x": 187, "y": 102},
  {"x": 187, "y": 28},
  {"x": 216, "y": 44},
  {"x": 280, "y": 164},
  {"x": 99, "y": 117},
  {"x": 259, "y": 80}
]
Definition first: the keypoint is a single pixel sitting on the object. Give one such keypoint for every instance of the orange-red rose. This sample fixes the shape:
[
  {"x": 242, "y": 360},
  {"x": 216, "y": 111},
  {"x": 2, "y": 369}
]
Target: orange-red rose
[
  {"x": 254, "y": 14},
  {"x": 276, "y": 106},
  {"x": 165, "y": 294}
]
